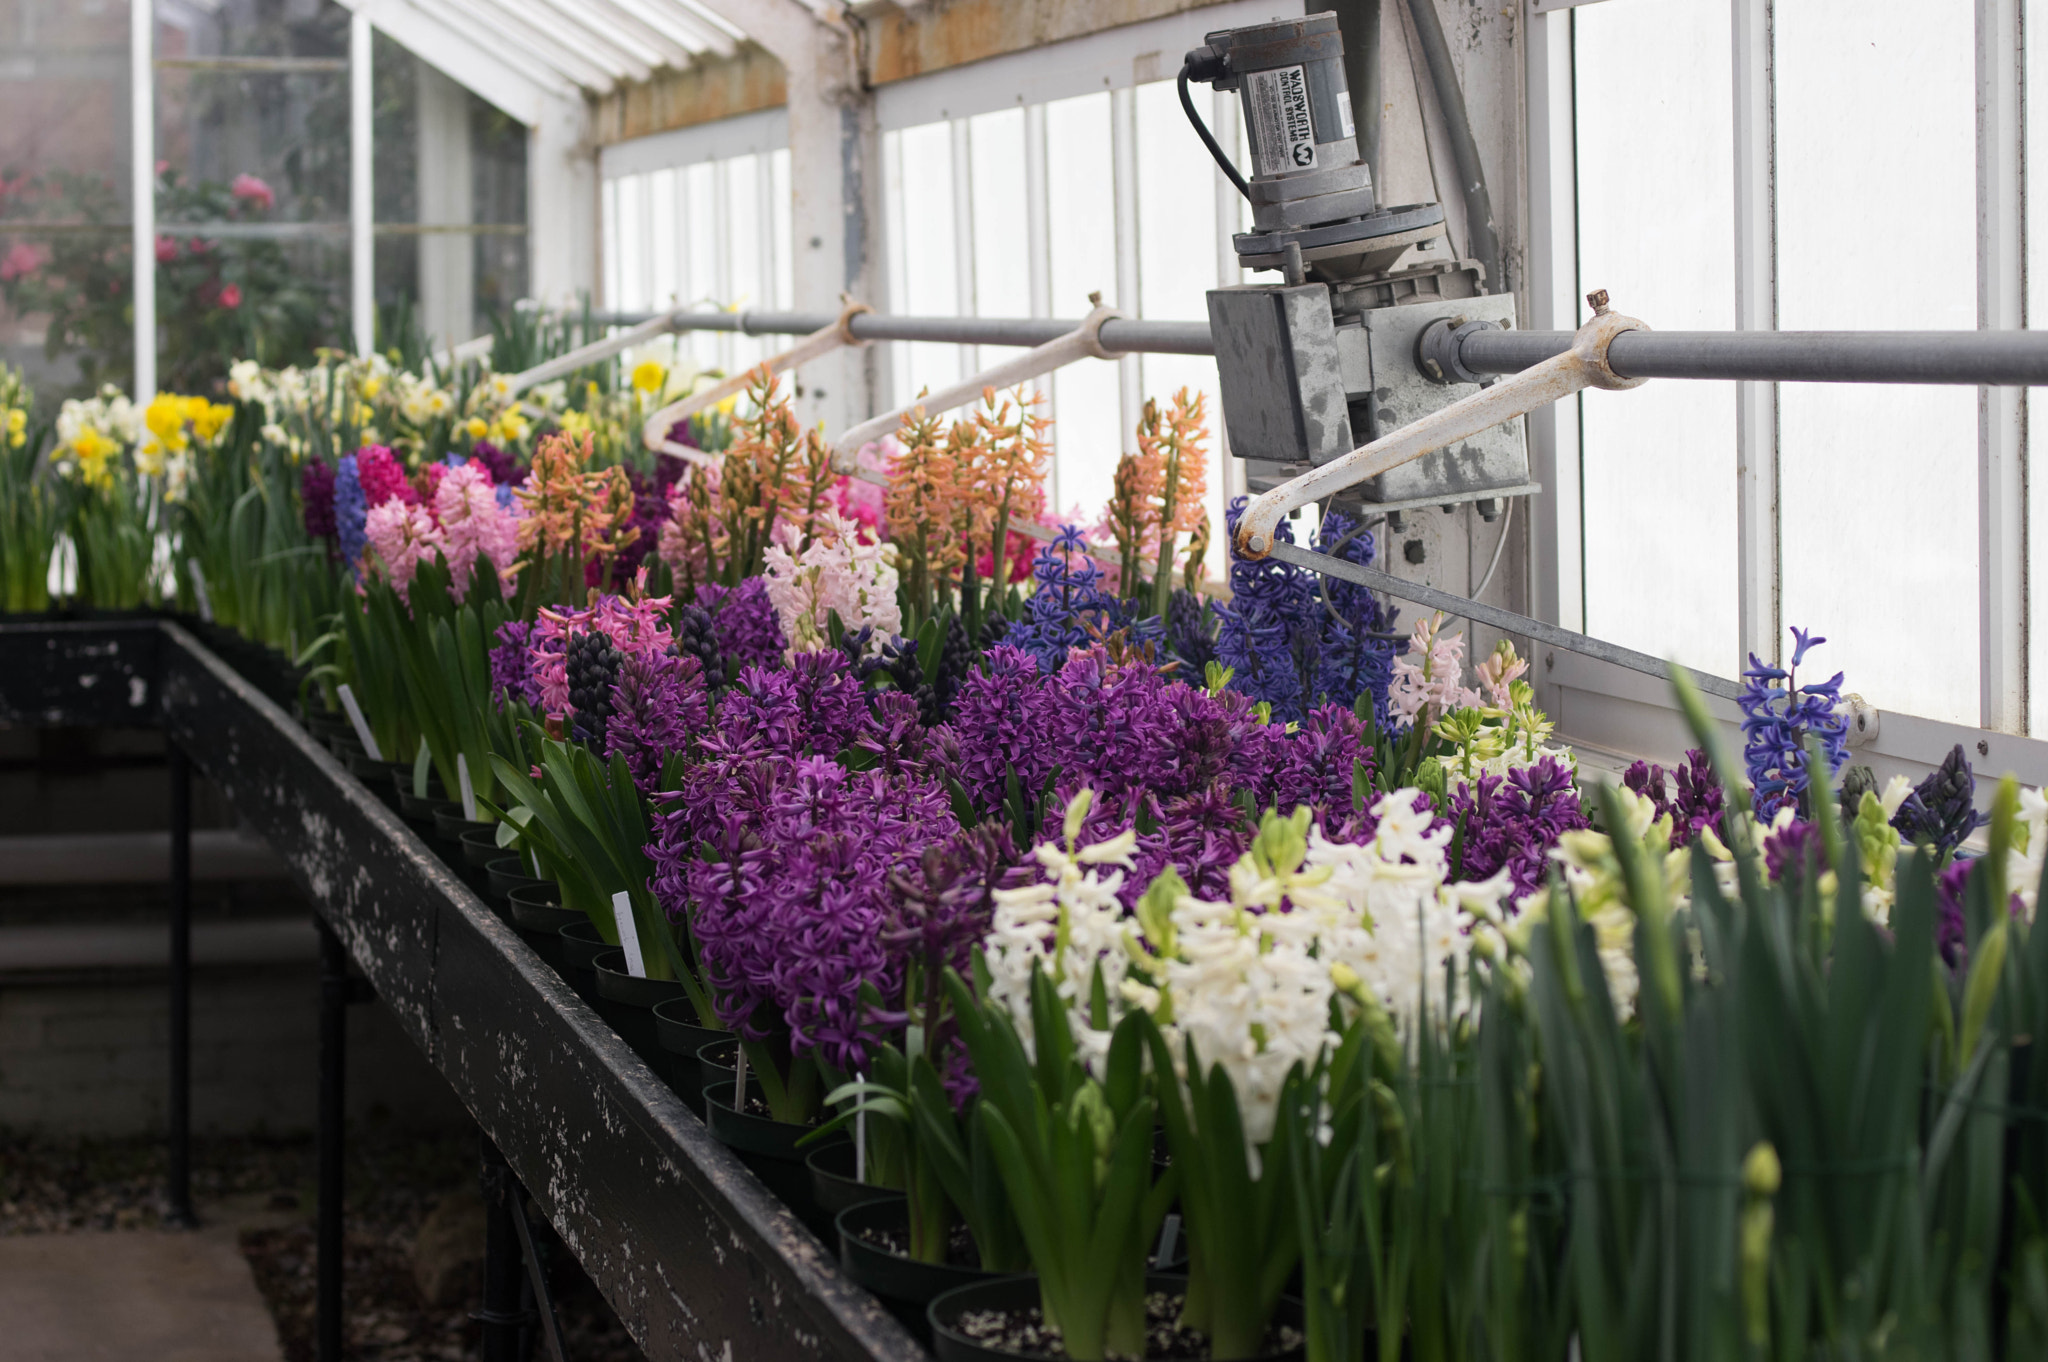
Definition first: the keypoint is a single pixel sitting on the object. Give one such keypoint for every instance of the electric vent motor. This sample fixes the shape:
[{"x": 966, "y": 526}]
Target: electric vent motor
[{"x": 1326, "y": 361}]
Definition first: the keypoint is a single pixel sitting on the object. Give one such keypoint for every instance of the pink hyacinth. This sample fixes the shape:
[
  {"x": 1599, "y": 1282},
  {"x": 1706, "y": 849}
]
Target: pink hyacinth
[
  {"x": 252, "y": 190},
  {"x": 382, "y": 478},
  {"x": 473, "y": 525},
  {"x": 634, "y": 627},
  {"x": 400, "y": 536}
]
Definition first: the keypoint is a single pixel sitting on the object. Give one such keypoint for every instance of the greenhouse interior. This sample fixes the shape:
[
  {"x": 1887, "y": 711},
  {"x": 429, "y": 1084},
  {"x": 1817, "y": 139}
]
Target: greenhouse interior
[{"x": 1151, "y": 679}]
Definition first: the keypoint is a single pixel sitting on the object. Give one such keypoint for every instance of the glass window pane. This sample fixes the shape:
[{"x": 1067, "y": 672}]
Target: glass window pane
[
  {"x": 930, "y": 284},
  {"x": 1081, "y": 208},
  {"x": 1002, "y": 286},
  {"x": 2036, "y": 79},
  {"x": 1878, "y": 485},
  {"x": 743, "y": 209},
  {"x": 1656, "y": 230},
  {"x": 632, "y": 220},
  {"x": 784, "y": 255},
  {"x": 700, "y": 250},
  {"x": 662, "y": 250}
]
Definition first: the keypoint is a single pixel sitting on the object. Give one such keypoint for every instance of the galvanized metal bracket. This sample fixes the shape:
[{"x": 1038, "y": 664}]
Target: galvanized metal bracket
[{"x": 1584, "y": 365}]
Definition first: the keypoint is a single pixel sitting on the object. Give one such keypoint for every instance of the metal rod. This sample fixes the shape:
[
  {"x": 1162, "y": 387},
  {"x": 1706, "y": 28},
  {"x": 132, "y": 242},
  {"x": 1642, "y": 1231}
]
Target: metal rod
[
  {"x": 1970, "y": 358},
  {"x": 1967, "y": 358},
  {"x": 501, "y": 1316},
  {"x": 178, "y": 1210},
  {"x": 1506, "y": 620},
  {"x": 1119, "y": 334},
  {"x": 536, "y": 1275},
  {"x": 333, "y": 1078}
]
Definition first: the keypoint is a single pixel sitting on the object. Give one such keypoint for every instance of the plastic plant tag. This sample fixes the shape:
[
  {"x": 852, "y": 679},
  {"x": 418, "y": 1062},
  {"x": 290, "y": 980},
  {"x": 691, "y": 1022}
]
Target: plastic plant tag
[
  {"x": 361, "y": 725},
  {"x": 422, "y": 762},
  {"x": 629, "y": 934},
  {"x": 1169, "y": 1240},
  {"x": 468, "y": 790},
  {"x": 860, "y": 1144},
  {"x": 199, "y": 590},
  {"x": 739, "y": 1080}
]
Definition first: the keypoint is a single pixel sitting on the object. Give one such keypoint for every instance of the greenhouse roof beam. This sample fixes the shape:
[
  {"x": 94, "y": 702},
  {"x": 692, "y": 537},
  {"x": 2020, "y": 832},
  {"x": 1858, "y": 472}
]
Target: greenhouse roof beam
[
  {"x": 665, "y": 31},
  {"x": 595, "y": 30},
  {"x": 446, "y": 44},
  {"x": 542, "y": 37}
]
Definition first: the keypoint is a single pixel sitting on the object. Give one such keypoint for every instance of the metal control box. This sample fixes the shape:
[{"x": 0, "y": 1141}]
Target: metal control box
[
  {"x": 1283, "y": 387},
  {"x": 1402, "y": 393}
]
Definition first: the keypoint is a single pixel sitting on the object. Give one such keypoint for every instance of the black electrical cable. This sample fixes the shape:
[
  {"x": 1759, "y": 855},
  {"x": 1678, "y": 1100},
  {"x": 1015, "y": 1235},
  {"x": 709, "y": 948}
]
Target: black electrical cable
[
  {"x": 1187, "y": 102},
  {"x": 1481, "y": 236}
]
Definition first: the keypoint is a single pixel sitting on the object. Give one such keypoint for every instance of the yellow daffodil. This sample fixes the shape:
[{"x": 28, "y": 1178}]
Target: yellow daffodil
[
  {"x": 364, "y": 415},
  {"x": 372, "y": 386},
  {"x": 511, "y": 425},
  {"x": 211, "y": 419},
  {"x": 477, "y": 427},
  {"x": 17, "y": 428},
  {"x": 165, "y": 417},
  {"x": 575, "y": 424},
  {"x": 648, "y": 376},
  {"x": 93, "y": 451},
  {"x": 149, "y": 459}
]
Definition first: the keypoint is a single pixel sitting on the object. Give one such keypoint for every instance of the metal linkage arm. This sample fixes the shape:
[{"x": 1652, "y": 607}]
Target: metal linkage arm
[
  {"x": 1083, "y": 342},
  {"x": 662, "y": 324},
  {"x": 1971, "y": 358},
  {"x": 822, "y": 341},
  {"x": 1584, "y": 365}
]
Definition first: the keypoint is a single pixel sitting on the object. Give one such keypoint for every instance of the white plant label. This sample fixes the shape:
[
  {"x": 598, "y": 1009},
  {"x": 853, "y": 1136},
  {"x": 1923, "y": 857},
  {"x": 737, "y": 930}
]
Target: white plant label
[
  {"x": 629, "y": 934},
  {"x": 739, "y": 1080},
  {"x": 860, "y": 1145},
  {"x": 199, "y": 590},
  {"x": 468, "y": 790},
  {"x": 422, "y": 763},
  {"x": 362, "y": 726},
  {"x": 1287, "y": 135}
]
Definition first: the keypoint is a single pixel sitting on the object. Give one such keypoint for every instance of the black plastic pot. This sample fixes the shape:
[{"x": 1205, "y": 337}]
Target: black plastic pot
[
  {"x": 449, "y": 826},
  {"x": 680, "y": 1035},
  {"x": 380, "y": 776},
  {"x": 538, "y": 916},
  {"x": 904, "y": 1284},
  {"x": 505, "y": 872},
  {"x": 770, "y": 1148},
  {"x": 1020, "y": 1293},
  {"x": 628, "y": 1003},
  {"x": 719, "y": 1059},
  {"x": 420, "y": 810},
  {"x": 833, "y": 1184},
  {"x": 480, "y": 847},
  {"x": 580, "y": 945},
  {"x": 327, "y": 727}
]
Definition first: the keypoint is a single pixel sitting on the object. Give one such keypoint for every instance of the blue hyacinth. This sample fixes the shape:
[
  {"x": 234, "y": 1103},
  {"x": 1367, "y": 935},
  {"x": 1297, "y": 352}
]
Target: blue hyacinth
[
  {"x": 1284, "y": 646},
  {"x": 1779, "y": 715},
  {"x": 351, "y": 513},
  {"x": 1069, "y": 609}
]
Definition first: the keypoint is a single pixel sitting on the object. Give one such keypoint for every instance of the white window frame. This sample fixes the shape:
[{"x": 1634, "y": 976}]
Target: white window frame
[{"x": 1607, "y": 707}]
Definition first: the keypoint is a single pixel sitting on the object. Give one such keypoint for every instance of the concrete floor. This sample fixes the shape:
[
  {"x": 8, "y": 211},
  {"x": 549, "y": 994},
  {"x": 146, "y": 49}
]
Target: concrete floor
[{"x": 114, "y": 1296}]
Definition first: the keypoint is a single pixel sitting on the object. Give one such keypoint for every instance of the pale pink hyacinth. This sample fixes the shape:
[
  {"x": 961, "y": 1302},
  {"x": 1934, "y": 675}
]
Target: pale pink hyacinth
[
  {"x": 1500, "y": 670},
  {"x": 473, "y": 525},
  {"x": 1424, "y": 690},
  {"x": 839, "y": 573},
  {"x": 399, "y": 537}
]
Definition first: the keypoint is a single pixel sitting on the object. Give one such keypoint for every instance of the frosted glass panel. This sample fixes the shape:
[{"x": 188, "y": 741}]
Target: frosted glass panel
[
  {"x": 1177, "y": 261},
  {"x": 632, "y": 242},
  {"x": 785, "y": 253},
  {"x": 743, "y": 199},
  {"x": 608, "y": 211},
  {"x": 701, "y": 238},
  {"x": 1079, "y": 191},
  {"x": 664, "y": 253},
  {"x": 930, "y": 286},
  {"x": 1002, "y": 278},
  {"x": 1877, "y": 229},
  {"x": 1656, "y": 229}
]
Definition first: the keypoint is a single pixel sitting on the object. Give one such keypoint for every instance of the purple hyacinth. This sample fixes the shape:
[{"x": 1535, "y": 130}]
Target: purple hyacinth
[
  {"x": 1513, "y": 823},
  {"x": 743, "y": 622},
  {"x": 316, "y": 496},
  {"x": 1201, "y": 835},
  {"x": 1950, "y": 929},
  {"x": 1692, "y": 796},
  {"x": 1942, "y": 811},
  {"x": 814, "y": 707},
  {"x": 505, "y": 470},
  {"x": 512, "y": 675},
  {"x": 1795, "y": 847},
  {"x": 1777, "y": 719},
  {"x": 659, "y": 705},
  {"x": 790, "y": 901},
  {"x": 997, "y": 727},
  {"x": 1316, "y": 763}
]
